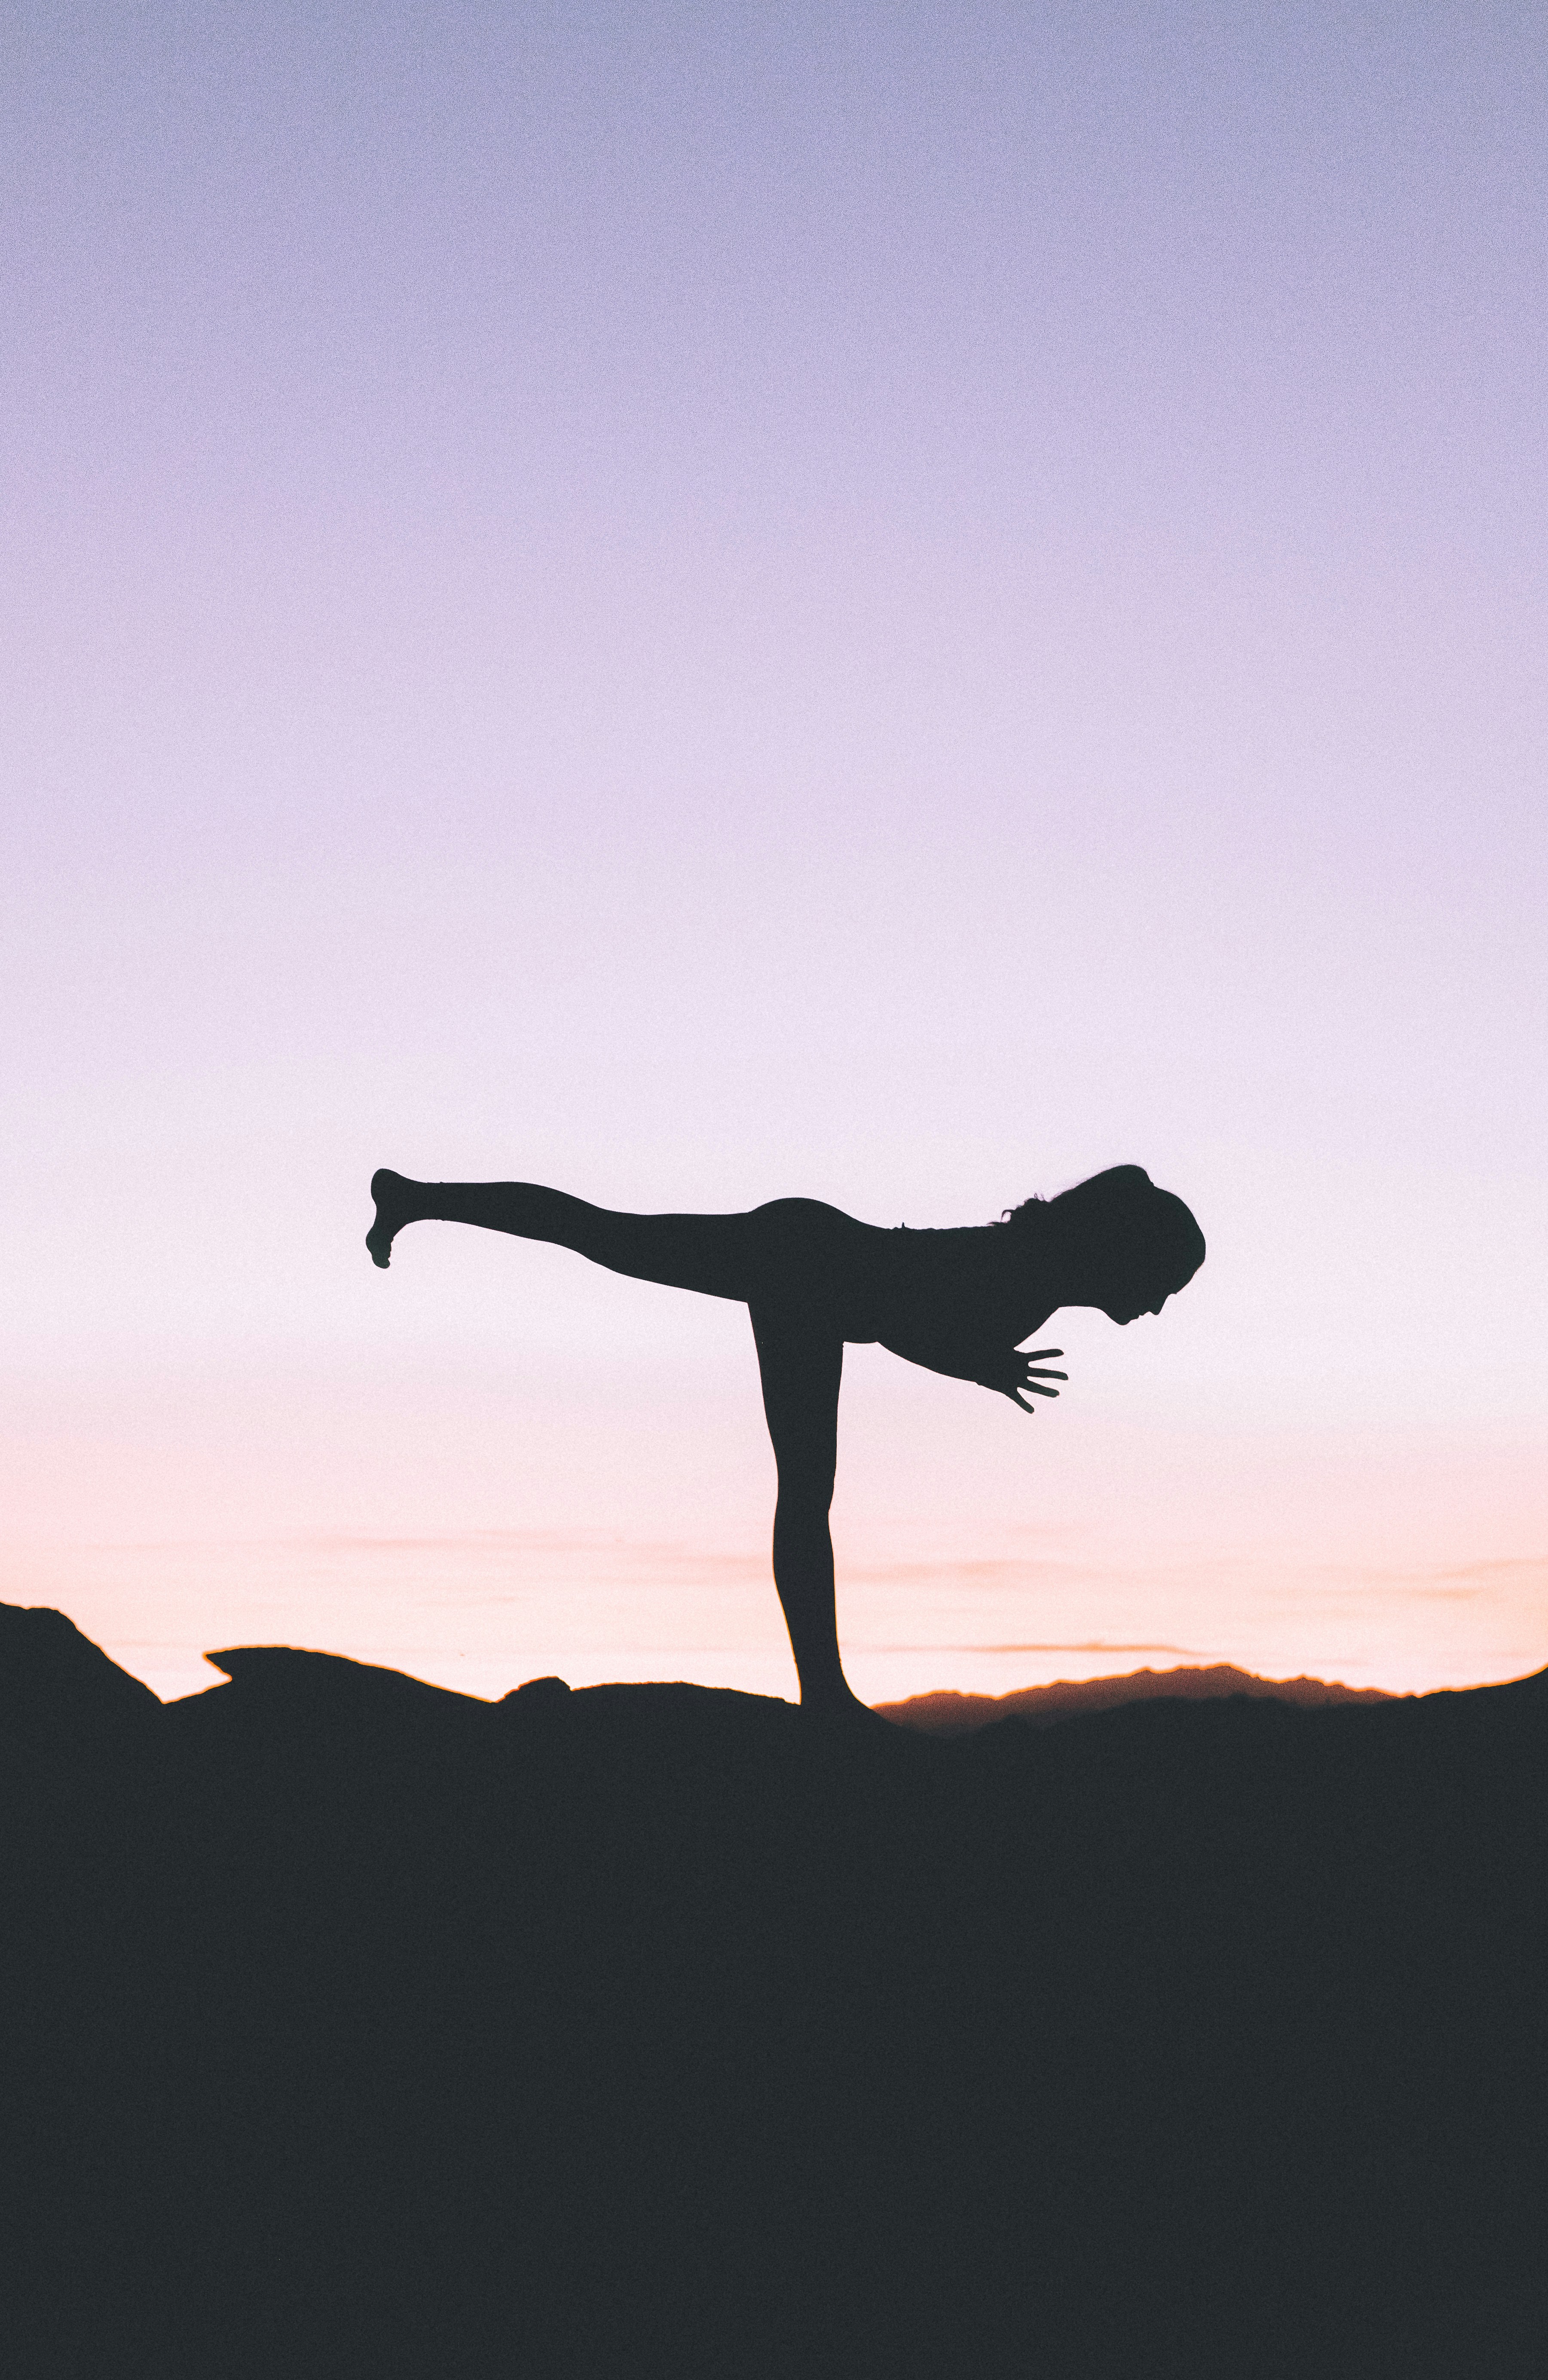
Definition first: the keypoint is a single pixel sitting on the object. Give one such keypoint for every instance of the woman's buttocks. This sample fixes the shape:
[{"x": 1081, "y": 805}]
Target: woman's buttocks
[{"x": 811, "y": 1253}]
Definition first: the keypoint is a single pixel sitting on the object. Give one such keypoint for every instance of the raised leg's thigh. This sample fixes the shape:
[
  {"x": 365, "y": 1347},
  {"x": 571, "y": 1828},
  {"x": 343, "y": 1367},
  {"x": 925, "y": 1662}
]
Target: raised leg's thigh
[
  {"x": 711, "y": 1254},
  {"x": 800, "y": 1358},
  {"x": 794, "y": 1252}
]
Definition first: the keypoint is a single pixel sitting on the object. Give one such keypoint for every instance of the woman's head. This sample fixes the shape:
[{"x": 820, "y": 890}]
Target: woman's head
[{"x": 1120, "y": 1243}]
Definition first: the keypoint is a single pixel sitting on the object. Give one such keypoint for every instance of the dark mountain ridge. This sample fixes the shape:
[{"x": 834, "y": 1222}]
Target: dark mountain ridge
[
  {"x": 370, "y": 2028},
  {"x": 946, "y": 1712}
]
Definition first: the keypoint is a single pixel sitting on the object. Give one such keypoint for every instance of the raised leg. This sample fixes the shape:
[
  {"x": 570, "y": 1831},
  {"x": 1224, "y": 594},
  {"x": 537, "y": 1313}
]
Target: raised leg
[{"x": 716, "y": 1254}]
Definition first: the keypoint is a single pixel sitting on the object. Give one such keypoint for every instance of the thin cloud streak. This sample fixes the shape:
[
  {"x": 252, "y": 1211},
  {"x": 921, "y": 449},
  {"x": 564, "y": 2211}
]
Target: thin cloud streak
[
  {"x": 1451, "y": 1582},
  {"x": 1186, "y": 1652},
  {"x": 1489, "y": 1569}
]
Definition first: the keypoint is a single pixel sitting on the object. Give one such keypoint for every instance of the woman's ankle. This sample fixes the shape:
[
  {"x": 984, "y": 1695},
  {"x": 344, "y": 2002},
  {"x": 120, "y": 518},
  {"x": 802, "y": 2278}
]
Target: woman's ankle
[
  {"x": 829, "y": 1693},
  {"x": 399, "y": 1195}
]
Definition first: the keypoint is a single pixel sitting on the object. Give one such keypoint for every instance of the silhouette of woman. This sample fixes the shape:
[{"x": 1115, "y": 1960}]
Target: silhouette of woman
[{"x": 958, "y": 1302}]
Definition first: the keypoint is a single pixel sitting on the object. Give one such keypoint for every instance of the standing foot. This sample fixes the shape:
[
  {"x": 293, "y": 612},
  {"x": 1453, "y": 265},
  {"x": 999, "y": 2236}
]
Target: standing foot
[
  {"x": 394, "y": 1208},
  {"x": 842, "y": 1716}
]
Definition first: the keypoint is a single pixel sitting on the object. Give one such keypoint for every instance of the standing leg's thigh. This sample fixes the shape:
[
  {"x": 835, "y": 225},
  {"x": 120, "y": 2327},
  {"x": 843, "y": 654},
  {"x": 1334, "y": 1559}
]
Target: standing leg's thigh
[{"x": 801, "y": 1359}]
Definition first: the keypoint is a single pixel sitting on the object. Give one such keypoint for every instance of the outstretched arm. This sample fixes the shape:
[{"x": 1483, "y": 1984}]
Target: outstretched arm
[{"x": 1004, "y": 1369}]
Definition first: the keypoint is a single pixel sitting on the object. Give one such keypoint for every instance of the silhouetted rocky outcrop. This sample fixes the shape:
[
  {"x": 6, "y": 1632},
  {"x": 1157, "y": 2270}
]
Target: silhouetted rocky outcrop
[
  {"x": 59, "y": 1689},
  {"x": 361, "y": 2028}
]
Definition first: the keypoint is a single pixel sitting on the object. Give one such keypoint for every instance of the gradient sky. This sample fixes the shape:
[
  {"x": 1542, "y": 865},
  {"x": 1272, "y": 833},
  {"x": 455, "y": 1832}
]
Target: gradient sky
[{"x": 891, "y": 603}]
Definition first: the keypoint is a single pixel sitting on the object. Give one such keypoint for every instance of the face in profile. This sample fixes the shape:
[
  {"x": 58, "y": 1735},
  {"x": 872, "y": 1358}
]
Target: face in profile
[
  {"x": 1123, "y": 1245},
  {"x": 1154, "y": 1267},
  {"x": 1138, "y": 1296}
]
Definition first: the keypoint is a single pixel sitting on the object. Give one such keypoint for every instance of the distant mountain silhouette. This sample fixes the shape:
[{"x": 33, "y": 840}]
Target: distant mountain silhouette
[
  {"x": 356, "y": 2027},
  {"x": 954, "y": 1714}
]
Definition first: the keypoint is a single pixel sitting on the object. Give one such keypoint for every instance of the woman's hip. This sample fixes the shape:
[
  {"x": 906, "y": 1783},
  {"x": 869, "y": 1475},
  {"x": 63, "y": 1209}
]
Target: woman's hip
[
  {"x": 792, "y": 1253},
  {"x": 816, "y": 1256}
]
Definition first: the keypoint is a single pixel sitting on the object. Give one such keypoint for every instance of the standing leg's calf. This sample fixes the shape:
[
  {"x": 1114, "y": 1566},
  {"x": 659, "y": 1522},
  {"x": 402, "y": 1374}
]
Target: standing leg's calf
[{"x": 804, "y": 1581}]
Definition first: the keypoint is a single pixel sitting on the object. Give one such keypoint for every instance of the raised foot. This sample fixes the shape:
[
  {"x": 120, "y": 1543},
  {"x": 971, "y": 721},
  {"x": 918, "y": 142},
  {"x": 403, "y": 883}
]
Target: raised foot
[{"x": 392, "y": 1210}]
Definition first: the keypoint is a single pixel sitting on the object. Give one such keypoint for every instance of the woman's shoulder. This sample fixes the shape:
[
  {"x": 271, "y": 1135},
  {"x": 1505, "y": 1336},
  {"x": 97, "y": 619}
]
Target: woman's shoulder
[
  {"x": 964, "y": 1259},
  {"x": 980, "y": 1275},
  {"x": 955, "y": 1239}
]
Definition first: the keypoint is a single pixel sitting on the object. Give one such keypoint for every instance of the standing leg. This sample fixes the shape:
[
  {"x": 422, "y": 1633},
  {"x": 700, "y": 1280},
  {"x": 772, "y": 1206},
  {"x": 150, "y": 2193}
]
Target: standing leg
[{"x": 800, "y": 1358}]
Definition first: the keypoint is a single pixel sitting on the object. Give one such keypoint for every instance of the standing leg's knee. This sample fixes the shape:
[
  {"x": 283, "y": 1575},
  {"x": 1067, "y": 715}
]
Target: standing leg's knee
[
  {"x": 806, "y": 1495},
  {"x": 802, "y": 1537}
]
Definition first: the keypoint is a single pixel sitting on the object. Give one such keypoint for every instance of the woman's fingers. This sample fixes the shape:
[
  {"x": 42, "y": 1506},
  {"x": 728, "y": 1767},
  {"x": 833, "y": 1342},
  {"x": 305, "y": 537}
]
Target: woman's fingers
[{"x": 1032, "y": 1376}]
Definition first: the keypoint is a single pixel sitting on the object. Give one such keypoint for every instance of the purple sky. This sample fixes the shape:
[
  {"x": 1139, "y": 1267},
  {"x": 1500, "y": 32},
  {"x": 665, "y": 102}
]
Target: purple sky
[{"x": 894, "y": 604}]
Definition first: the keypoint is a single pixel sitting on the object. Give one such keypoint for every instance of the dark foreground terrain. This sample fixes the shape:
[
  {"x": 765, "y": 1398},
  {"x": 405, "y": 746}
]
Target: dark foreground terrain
[{"x": 355, "y": 2027}]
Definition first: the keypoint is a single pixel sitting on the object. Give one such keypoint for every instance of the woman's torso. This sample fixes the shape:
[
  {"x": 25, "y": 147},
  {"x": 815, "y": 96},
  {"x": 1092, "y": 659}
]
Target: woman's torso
[
  {"x": 970, "y": 1285},
  {"x": 959, "y": 1285}
]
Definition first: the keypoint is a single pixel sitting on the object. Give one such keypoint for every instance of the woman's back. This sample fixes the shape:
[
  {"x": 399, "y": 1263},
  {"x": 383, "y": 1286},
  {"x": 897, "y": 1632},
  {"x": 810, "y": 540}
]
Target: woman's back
[{"x": 953, "y": 1285}]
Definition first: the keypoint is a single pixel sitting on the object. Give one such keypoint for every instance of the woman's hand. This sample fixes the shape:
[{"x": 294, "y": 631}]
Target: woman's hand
[{"x": 1016, "y": 1372}]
